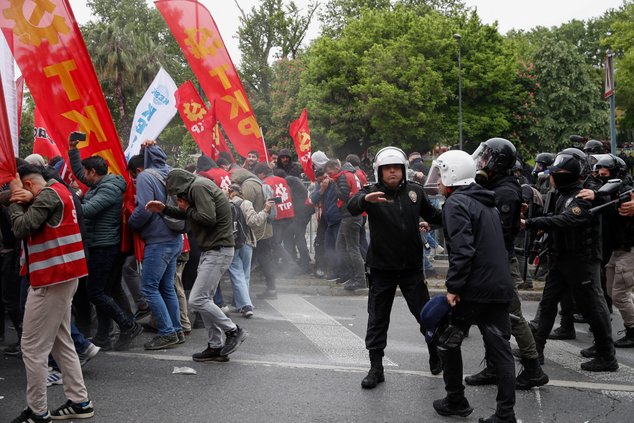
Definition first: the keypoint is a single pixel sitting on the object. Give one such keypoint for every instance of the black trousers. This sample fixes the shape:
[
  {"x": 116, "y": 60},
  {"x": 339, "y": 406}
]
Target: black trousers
[
  {"x": 495, "y": 326},
  {"x": 583, "y": 279},
  {"x": 10, "y": 291},
  {"x": 263, "y": 253},
  {"x": 381, "y": 297}
]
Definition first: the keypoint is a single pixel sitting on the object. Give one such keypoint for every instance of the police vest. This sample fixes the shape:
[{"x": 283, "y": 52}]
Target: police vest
[
  {"x": 280, "y": 188},
  {"x": 221, "y": 177},
  {"x": 56, "y": 253}
]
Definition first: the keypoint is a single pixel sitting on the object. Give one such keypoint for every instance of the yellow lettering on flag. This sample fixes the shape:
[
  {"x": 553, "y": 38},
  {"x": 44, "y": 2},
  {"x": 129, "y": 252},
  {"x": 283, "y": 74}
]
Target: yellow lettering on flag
[
  {"x": 198, "y": 42},
  {"x": 237, "y": 101},
  {"x": 221, "y": 73},
  {"x": 89, "y": 124},
  {"x": 27, "y": 29},
  {"x": 249, "y": 126},
  {"x": 63, "y": 71}
]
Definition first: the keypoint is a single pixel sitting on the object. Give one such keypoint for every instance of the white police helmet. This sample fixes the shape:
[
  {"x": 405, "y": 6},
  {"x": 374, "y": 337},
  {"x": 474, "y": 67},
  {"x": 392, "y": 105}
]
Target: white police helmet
[
  {"x": 453, "y": 168},
  {"x": 389, "y": 156}
]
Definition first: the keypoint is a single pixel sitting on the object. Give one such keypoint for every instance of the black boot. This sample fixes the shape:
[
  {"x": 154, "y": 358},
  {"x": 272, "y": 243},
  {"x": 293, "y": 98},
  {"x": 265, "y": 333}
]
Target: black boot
[
  {"x": 627, "y": 341},
  {"x": 486, "y": 377},
  {"x": 496, "y": 419},
  {"x": 600, "y": 364},
  {"x": 532, "y": 375},
  {"x": 562, "y": 332},
  {"x": 444, "y": 407},
  {"x": 375, "y": 375}
]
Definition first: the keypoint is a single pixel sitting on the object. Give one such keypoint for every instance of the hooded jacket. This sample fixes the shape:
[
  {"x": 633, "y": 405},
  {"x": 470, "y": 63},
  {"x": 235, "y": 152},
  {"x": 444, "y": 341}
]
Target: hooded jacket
[
  {"x": 478, "y": 261},
  {"x": 346, "y": 185},
  {"x": 209, "y": 214},
  {"x": 101, "y": 206},
  {"x": 395, "y": 241},
  {"x": 151, "y": 226},
  {"x": 291, "y": 169},
  {"x": 251, "y": 187}
]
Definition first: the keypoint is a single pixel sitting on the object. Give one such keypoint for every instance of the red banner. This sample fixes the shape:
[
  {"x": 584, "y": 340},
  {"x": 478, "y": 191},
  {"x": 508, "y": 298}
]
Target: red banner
[
  {"x": 19, "y": 88},
  {"x": 7, "y": 158},
  {"x": 200, "y": 121},
  {"x": 301, "y": 136},
  {"x": 51, "y": 53},
  {"x": 42, "y": 143},
  {"x": 197, "y": 34}
]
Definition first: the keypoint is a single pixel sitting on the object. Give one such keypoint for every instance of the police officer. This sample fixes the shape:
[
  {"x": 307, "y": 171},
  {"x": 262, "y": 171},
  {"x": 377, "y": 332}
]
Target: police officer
[
  {"x": 540, "y": 172},
  {"x": 494, "y": 161},
  {"x": 479, "y": 284},
  {"x": 394, "y": 207},
  {"x": 574, "y": 263}
]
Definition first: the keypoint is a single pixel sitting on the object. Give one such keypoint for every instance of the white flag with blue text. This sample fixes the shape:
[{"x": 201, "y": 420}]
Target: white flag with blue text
[{"x": 154, "y": 112}]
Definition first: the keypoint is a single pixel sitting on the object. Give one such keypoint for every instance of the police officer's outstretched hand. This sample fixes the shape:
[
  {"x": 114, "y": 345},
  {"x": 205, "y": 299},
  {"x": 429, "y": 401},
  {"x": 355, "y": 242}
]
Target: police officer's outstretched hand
[{"x": 376, "y": 197}]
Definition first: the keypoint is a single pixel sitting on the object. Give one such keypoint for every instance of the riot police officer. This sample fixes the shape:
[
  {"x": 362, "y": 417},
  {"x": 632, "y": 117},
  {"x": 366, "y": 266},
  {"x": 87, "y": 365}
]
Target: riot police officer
[
  {"x": 494, "y": 161},
  {"x": 574, "y": 263},
  {"x": 395, "y": 255},
  {"x": 479, "y": 285}
]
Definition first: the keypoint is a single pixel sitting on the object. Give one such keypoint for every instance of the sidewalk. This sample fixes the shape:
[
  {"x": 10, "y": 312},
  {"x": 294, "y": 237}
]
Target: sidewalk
[{"x": 311, "y": 285}]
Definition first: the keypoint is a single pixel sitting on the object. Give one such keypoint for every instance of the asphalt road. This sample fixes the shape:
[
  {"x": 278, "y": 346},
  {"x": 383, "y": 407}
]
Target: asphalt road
[{"x": 304, "y": 361}]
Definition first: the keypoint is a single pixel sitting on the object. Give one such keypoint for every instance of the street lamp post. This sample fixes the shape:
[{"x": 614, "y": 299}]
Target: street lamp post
[{"x": 459, "y": 39}]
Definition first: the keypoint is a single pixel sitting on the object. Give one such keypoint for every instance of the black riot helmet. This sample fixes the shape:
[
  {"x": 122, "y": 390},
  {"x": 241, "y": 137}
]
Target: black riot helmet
[
  {"x": 494, "y": 156},
  {"x": 566, "y": 169},
  {"x": 621, "y": 172},
  {"x": 594, "y": 147},
  {"x": 581, "y": 157},
  {"x": 542, "y": 161},
  {"x": 605, "y": 161}
]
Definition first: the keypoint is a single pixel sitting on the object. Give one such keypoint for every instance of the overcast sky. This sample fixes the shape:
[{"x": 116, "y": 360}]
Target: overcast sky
[{"x": 510, "y": 14}]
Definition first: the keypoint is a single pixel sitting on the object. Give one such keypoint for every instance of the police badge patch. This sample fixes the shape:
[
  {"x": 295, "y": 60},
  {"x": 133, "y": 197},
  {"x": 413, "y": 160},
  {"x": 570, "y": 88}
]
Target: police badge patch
[
  {"x": 413, "y": 196},
  {"x": 576, "y": 210}
]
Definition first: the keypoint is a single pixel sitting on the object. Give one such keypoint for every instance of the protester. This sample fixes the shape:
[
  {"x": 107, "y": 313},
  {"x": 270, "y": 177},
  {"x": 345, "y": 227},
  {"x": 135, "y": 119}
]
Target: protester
[
  {"x": 55, "y": 262},
  {"x": 207, "y": 210}
]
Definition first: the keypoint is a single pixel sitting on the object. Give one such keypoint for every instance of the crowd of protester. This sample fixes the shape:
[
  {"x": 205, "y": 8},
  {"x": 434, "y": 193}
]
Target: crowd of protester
[{"x": 63, "y": 230}]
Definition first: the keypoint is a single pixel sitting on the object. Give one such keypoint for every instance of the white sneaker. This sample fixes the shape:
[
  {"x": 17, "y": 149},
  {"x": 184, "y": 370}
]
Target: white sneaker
[
  {"x": 89, "y": 354},
  {"x": 439, "y": 250},
  {"x": 225, "y": 309},
  {"x": 54, "y": 378}
]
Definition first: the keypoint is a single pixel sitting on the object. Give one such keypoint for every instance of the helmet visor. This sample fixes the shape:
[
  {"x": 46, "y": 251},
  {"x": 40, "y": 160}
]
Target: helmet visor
[
  {"x": 432, "y": 183},
  {"x": 482, "y": 156}
]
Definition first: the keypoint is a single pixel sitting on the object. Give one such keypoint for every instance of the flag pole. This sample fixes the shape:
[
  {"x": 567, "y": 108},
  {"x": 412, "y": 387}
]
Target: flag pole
[{"x": 266, "y": 153}]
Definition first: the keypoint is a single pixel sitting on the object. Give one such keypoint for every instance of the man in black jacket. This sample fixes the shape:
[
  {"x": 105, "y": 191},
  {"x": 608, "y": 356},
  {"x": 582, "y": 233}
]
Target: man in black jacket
[
  {"x": 395, "y": 255},
  {"x": 494, "y": 161},
  {"x": 574, "y": 263},
  {"x": 479, "y": 284}
]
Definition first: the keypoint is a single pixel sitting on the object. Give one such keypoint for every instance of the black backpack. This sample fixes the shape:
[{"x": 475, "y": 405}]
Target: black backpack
[{"x": 240, "y": 226}]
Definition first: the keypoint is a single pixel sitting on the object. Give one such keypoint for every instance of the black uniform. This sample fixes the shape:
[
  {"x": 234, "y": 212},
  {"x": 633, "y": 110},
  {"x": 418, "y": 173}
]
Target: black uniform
[
  {"x": 395, "y": 254},
  {"x": 574, "y": 265},
  {"x": 479, "y": 273}
]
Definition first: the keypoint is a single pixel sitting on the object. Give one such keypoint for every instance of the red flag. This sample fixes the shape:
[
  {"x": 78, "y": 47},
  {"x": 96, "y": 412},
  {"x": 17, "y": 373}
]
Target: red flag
[
  {"x": 197, "y": 34},
  {"x": 7, "y": 158},
  {"x": 301, "y": 136},
  {"x": 43, "y": 144},
  {"x": 197, "y": 118},
  {"x": 608, "y": 89},
  {"x": 19, "y": 88},
  {"x": 200, "y": 121},
  {"x": 49, "y": 49}
]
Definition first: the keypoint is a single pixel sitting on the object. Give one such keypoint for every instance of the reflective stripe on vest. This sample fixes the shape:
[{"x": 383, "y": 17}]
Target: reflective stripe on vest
[{"x": 56, "y": 253}]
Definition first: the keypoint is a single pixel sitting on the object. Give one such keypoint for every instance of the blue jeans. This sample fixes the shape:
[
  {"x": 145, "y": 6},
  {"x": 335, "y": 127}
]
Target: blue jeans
[
  {"x": 157, "y": 284},
  {"x": 240, "y": 274}
]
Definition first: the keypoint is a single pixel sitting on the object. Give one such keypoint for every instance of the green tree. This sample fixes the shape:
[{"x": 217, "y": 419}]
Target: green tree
[
  {"x": 391, "y": 78},
  {"x": 569, "y": 97},
  {"x": 621, "y": 41},
  {"x": 336, "y": 14}
]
